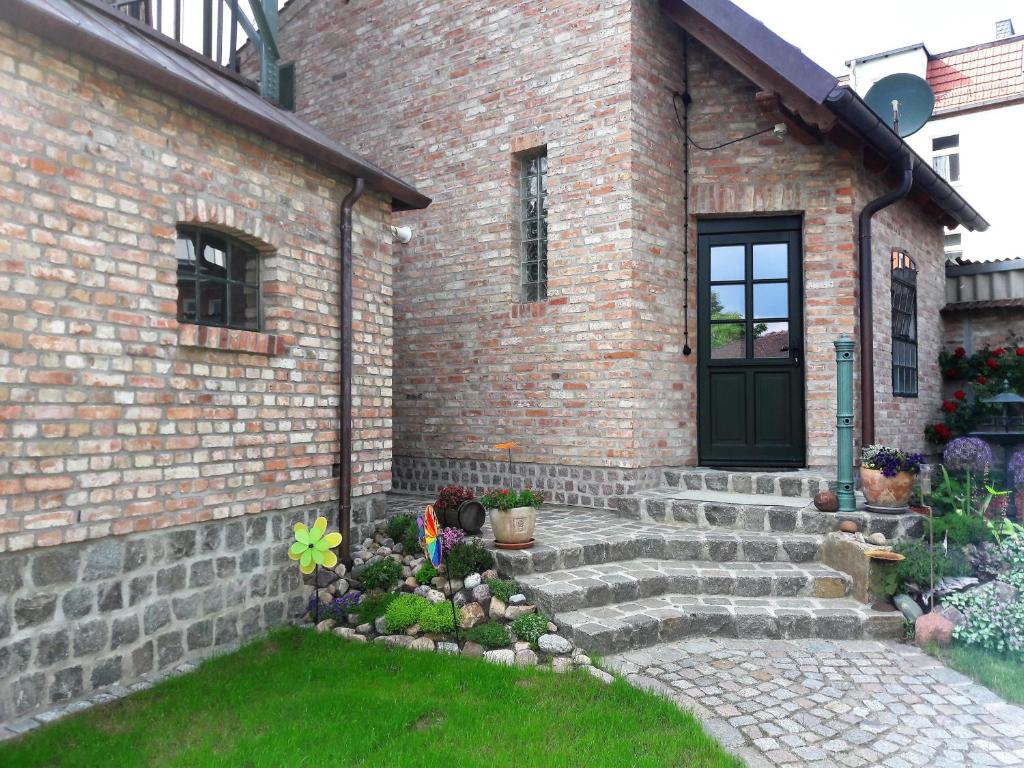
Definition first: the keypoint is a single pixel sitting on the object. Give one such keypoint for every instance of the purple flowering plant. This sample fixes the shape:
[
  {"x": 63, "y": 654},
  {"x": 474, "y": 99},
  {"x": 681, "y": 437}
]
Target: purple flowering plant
[
  {"x": 890, "y": 461},
  {"x": 338, "y": 608},
  {"x": 1016, "y": 478},
  {"x": 450, "y": 537},
  {"x": 967, "y": 454}
]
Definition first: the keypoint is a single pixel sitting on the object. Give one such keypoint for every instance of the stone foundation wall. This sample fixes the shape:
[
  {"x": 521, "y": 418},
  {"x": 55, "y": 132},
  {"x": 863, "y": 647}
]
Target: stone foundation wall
[
  {"x": 76, "y": 619},
  {"x": 560, "y": 483}
]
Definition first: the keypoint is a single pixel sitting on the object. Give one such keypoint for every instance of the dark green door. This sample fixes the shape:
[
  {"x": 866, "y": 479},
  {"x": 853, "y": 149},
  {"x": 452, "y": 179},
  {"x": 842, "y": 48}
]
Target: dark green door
[{"x": 750, "y": 351}]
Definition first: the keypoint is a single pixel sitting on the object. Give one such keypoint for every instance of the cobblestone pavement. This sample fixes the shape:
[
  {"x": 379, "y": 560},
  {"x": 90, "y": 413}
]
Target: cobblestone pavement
[{"x": 816, "y": 703}]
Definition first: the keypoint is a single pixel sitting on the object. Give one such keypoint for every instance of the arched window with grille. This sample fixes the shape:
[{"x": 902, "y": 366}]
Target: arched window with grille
[
  {"x": 218, "y": 280},
  {"x": 904, "y": 324}
]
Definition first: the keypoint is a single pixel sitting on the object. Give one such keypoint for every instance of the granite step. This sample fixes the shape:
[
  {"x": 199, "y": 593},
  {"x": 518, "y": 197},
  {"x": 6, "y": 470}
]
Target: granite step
[
  {"x": 705, "y": 509},
  {"x": 669, "y": 617},
  {"x": 619, "y": 582},
  {"x": 658, "y": 542},
  {"x": 796, "y": 483}
]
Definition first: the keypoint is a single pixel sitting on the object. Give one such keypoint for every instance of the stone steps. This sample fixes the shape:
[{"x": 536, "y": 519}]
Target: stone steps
[
  {"x": 670, "y": 617},
  {"x": 795, "y": 484},
  {"x": 662, "y": 543},
  {"x": 619, "y": 582}
]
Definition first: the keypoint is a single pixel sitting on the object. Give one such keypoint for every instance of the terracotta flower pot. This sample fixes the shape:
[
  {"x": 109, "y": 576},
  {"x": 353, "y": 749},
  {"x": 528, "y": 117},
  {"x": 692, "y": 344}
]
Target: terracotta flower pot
[
  {"x": 886, "y": 492},
  {"x": 513, "y": 526}
]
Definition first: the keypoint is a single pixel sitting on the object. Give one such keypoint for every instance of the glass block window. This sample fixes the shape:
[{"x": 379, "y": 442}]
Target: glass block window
[
  {"x": 534, "y": 223},
  {"x": 218, "y": 280},
  {"x": 904, "y": 325}
]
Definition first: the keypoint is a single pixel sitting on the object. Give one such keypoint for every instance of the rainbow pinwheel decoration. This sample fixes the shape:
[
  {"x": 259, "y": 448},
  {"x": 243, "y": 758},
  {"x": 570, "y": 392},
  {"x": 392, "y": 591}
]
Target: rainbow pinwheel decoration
[
  {"x": 312, "y": 547},
  {"x": 429, "y": 536}
]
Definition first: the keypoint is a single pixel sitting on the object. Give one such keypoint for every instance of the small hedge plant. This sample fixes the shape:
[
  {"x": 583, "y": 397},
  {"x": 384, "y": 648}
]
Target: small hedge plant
[
  {"x": 489, "y": 635},
  {"x": 369, "y": 608},
  {"x": 468, "y": 557},
  {"x": 503, "y": 589},
  {"x": 404, "y": 529},
  {"x": 404, "y": 611},
  {"x": 530, "y": 627},
  {"x": 383, "y": 574},
  {"x": 425, "y": 573},
  {"x": 437, "y": 619}
]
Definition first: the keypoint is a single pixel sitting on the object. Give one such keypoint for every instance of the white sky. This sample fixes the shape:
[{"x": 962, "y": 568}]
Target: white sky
[
  {"x": 829, "y": 31},
  {"x": 832, "y": 31}
]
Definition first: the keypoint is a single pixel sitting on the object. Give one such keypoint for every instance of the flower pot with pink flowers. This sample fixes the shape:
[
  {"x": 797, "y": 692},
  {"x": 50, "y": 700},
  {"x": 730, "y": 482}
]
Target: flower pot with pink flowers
[{"x": 513, "y": 516}]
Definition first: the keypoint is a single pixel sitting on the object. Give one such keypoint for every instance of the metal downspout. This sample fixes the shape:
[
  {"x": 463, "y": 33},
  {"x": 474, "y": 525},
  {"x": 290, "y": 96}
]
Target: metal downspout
[
  {"x": 345, "y": 394},
  {"x": 867, "y": 358}
]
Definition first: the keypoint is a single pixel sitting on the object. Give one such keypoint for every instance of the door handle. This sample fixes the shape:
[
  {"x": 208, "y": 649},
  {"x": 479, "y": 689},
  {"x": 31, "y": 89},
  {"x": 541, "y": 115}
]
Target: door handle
[{"x": 794, "y": 355}]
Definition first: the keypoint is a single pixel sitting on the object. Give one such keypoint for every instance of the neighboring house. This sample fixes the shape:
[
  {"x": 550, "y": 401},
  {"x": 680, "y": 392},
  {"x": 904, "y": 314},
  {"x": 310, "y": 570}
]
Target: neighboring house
[
  {"x": 973, "y": 136},
  {"x": 549, "y": 292},
  {"x": 984, "y": 304},
  {"x": 170, "y": 346}
]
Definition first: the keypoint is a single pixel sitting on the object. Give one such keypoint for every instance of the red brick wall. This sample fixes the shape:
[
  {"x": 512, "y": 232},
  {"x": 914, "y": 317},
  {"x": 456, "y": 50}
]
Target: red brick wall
[{"x": 114, "y": 417}]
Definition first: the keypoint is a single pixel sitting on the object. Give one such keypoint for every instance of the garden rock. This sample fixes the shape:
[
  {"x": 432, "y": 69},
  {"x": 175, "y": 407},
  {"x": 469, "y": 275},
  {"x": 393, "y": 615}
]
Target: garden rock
[
  {"x": 906, "y": 605},
  {"x": 517, "y": 599},
  {"x": 504, "y": 656},
  {"x": 560, "y": 664},
  {"x": 364, "y": 629},
  {"x": 452, "y": 649},
  {"x": 473, "y": 650},
  {"x": 471, "y": 615},
  {"x": 552, "y": 627},
  {"x": 520, "y": 646},
  {"x": 581, "y": 659},
  {"x": 341, "y": 586},
  {"x": 421, "y": 644},
  {"x": 554, "y": 644},
  {"x": 472, "y": 580},
  {"x": 380, "y": 625},
  {"x": 526, "y": 658},
  {"x": 347, "y": 632},
  {"x": 955, "y": 615},
  {"x": 395, "y": 640},
  {"x": 423, "y": 590},
  {"x": 513, "y": 612},
  {"x": 460, "y": 599},
  {"x": 434, "y": 596},
  {"x": 411, "y": 583},
  {"x": 600, "y": 674},
  {"x": 413, "y": 630},
  {"x": 481, "y": 592},
  {"x": 933, "y": 628},
  {"x": 359, "y": 638},
  {"x": 878, "y": 539},
  {"x": 325, "y": 626},
  {"x": 340, "y": 569},
  {"x": 490, "y": 574},
  {"x": 497, "y": 608},
  {"x": 1004, "y": 593}
]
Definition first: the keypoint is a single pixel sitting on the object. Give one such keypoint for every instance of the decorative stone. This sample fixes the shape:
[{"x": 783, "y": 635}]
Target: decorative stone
[
  {"x": 365, "y": 629},
  {"x": 451, "y": 649},
  {"x": 326, "y": 625},
  {"x": 395, "y": 640},
  {"x": 520, "y": 646},
  {"x": 1005, "y": 593},
  {"x": 473, "y": 650},
  {"x": 340, "y": 569},
  {"x": 411, "y": 583},
  {"x": 933, "y": 628},
  {"x": 422, "y": 590},
  {"x": 526, "y": 658},
  {"x": 848, "y": 526},
  {"x": 380, "y": 625},
  {"x": 359, "y": 638},
  {"x": 421, "y": 644},
  {"x": 561, "y": 664},
  {"x": 347, "y": 632},
  {"x": 906, "y": 605},
  {"x": 504, "y": 656},
  {"x": 581, "y": 659},
  {"x": 517, "y": 599},
  {"x": 413, "y": 630},
  {"x": 826, "y": 501},
  {"x": 497, "y": 608},
  {"x": 434, "y": 596},
  {"x": 954, "y": 615},
  {"x": 490, "y": 574},
  {"x": 513, "y": 612},
  {"x": 480, "y": 592},
  {"x": 460, "y": 599},
  {"x": 878, "y": 539},
  {"x": 554, "y": 644},
  {"x": 600, "y": 674},
  {"x": 552, "y": 627},
  {"x": 470, "y": 615},
  {"x": 472, "y": 580}
]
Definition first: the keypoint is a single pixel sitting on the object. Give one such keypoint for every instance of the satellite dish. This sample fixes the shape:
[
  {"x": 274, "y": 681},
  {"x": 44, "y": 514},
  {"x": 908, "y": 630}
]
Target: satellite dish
[{"x": 902, "y": 101}]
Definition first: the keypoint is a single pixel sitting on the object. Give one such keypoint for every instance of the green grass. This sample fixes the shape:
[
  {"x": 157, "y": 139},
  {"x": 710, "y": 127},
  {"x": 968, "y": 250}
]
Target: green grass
[
  {"x": 1000, "y": 674},
  {"x": 298, "y": 698}
]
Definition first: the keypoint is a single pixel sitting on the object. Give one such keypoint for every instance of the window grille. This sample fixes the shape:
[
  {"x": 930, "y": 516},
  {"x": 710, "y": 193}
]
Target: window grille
[
  {"x": 218, "y": 280},
  {"x": 534, "y": 222},
  {"x": 904, "y": 325}
]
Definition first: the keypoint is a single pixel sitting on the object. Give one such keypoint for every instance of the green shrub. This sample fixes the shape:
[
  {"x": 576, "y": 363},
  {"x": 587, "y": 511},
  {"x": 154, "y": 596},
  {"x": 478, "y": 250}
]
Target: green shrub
[
  {"x": 489, "y": 635},
  {"x": 383, "y": 574},
  {"x": 404, "y": 611},
  {"x": 991, "y": 623},
  {"x": 404, "y": 529},
  {"x": 425, "y": 573},
  {"x": 468, "y": 557},
  {"x": 961, "y": 529},
  {"x": 369, "y": 608},
  {"x": 530, "y": 627},
  {"x": 503, "y": 589},
  {"x": 437, "y": 619}
]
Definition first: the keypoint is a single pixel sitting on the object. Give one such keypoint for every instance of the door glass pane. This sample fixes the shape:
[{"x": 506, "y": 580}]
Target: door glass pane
[
  {"x": 771, "y": 300},
  {"x": 771, "y": 260},
  {"x": 212, "y": 302},
  {"x": 771, "y": 339},
  {"x": 728, "y": 262},
  {"x": 728, "y": 340},
  {"x": 728, "y": 302}
]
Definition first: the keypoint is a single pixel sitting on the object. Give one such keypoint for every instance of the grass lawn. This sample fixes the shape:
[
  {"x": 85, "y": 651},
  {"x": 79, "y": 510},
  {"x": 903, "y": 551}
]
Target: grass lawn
[
  {"x": 298, "y": 698},
  {"x": 996, "y": 672}
]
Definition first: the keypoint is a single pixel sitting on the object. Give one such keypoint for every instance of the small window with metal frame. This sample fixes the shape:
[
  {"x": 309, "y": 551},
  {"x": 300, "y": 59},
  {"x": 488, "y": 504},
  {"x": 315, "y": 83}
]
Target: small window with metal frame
[
  {"x": 218, "y": 280},
  {"x": 946, "y": 157},
  {"x": 904, "y": 325},
  {"x": 534, "y": 227}
]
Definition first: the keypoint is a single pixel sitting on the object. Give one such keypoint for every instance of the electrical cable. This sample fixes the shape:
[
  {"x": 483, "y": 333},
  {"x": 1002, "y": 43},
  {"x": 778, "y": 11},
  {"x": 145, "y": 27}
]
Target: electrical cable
[
  {"x": 685, "y": 124},
  {"x": 677, "y": 97}
]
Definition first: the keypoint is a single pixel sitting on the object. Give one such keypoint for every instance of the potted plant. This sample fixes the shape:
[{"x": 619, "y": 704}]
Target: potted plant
[
  {"x": 450, "y": 505},
  {"x": 513, "y": 516},
  {"x": 887, "y": 477}
]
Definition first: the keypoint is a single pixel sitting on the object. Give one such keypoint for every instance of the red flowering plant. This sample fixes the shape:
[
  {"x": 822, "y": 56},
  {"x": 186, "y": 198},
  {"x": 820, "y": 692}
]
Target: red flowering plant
[
  {"x": 452, "y": 497},
  {"x": 503, "y": 498},
  {"x": 978, "y": 375}
]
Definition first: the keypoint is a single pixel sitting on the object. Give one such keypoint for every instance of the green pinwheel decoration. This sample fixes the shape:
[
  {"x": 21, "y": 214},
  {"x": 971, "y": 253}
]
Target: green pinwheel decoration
[{"x": 313, "y": 546}]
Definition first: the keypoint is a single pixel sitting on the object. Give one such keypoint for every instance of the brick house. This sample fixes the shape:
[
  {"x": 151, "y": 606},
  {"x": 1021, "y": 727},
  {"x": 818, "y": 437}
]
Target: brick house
[
  {"x": 171, "y": 264},
  {"x": 577, "y": 246}
]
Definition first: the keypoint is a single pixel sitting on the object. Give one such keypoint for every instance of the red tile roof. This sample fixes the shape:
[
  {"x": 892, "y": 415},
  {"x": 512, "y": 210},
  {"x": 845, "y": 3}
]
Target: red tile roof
[{"x": 982, "y": 74}]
